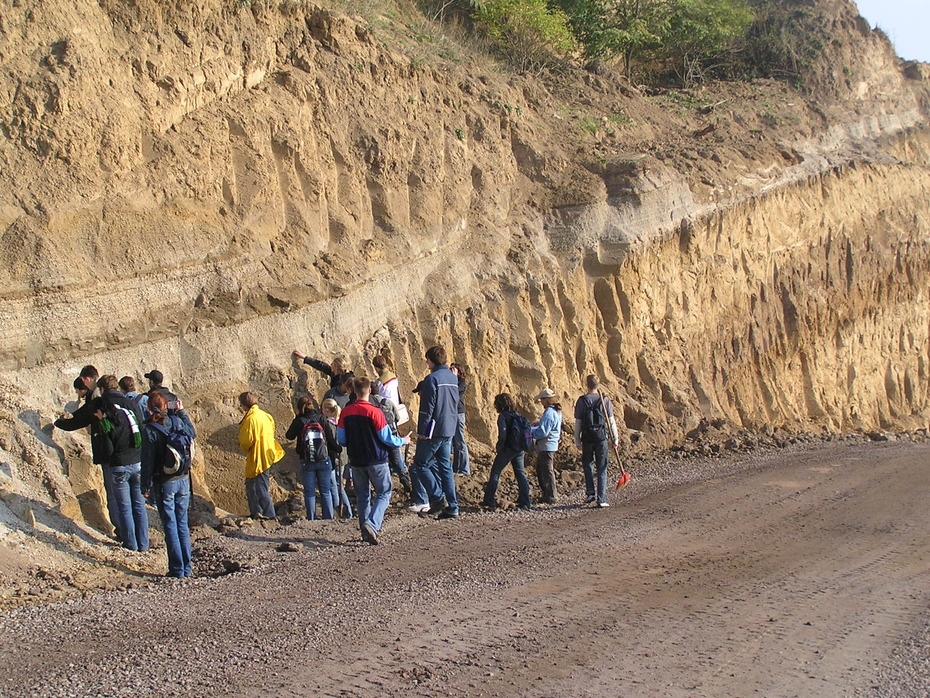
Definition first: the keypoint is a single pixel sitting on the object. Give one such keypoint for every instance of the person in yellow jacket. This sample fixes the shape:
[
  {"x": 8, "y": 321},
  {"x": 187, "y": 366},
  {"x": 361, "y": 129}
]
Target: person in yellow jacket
[{"x": 256, "y": 438}]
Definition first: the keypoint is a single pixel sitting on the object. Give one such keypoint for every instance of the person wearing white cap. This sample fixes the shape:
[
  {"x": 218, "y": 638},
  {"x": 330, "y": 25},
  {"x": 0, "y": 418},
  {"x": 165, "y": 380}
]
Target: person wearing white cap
[{"x": 546, "y": 433}]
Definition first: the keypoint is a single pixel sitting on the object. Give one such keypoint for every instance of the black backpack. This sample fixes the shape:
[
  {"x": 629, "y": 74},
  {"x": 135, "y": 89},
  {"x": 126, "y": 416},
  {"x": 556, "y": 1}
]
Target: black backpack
[
  {"x": 519, "y": 433},
  {"x": 311, "y": 443},
  {"x": 179, "y": 448},
  {"x": 593, "y": 426}
]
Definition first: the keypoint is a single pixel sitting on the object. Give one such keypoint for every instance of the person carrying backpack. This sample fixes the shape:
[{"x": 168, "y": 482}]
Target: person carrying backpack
[
  {"x": 591, "y": 434},
  {"x": 167, "y": 442},
  {"x": 118, "y": 439},
  {"x": 513, "y": 439},
  {"x": 316, "y": 446},
  {"x": 396, "y": 460}
]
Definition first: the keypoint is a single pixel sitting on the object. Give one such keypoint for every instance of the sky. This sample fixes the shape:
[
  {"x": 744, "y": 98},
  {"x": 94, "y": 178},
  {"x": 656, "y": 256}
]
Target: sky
[{"x": 906, "y": 22}]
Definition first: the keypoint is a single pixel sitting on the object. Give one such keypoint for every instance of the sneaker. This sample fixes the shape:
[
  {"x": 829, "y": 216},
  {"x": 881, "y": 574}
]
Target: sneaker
[
  {"x": 447, "y": 513},
  {"x": 603, "y": 505},
  {"x": 437, "y": 507},
  {"x": 369, "y": 535},
  {"x": 489, "y": 505},
  {"x": 525, "y": 507},
  {"x": 418, "y": 508},
  {"x": 590, "y": 499}
]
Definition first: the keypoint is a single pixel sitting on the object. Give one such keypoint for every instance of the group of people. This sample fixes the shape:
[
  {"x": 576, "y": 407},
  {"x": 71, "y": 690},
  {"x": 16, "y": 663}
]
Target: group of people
[
  {"x": 354, "y": 436},
  {"x": 144, "y": 444},
  {"x": 351, "y": 437}
]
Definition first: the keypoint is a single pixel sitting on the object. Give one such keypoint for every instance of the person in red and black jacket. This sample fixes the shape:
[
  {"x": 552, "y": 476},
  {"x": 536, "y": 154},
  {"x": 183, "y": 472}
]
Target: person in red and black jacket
[{"x": 366, "y": 436}]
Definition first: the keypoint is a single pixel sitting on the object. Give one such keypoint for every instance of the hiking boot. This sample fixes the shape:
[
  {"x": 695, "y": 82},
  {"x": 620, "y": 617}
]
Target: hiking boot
[
  {"x": 447, "y": 513},
  {"x": 436, "y": 507},
  {"x": 418, "y": 508},
  {"x": 369, "y": 535}
]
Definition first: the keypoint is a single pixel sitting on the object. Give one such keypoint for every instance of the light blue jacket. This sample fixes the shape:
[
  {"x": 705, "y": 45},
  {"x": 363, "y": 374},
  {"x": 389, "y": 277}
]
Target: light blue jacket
[{"x": 548, "y": 430}]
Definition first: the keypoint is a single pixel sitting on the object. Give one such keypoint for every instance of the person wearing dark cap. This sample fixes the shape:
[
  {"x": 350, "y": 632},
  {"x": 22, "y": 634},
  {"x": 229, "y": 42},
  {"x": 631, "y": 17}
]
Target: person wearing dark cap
[{"x": 155, "y": 379}]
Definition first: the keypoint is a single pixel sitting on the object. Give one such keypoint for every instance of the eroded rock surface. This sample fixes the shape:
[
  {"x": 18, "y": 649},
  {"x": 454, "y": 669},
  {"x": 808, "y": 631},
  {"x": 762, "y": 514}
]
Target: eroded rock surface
[{"x": 202, "y": 187}]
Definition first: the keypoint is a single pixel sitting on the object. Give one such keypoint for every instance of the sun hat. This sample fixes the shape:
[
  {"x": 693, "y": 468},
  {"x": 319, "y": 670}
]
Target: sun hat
[{"x": 544, "y": 393}]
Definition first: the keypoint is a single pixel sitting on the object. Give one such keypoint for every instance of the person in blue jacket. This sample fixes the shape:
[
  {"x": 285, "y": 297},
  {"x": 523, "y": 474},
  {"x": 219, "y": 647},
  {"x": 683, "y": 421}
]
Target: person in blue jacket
[
  {"x": 546, "y": 433},
  {"x": 436, "y": 425}
]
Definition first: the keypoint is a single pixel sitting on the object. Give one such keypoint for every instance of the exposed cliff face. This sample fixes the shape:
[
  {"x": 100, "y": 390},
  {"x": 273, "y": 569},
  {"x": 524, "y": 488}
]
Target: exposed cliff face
[{"x": 202, "y": 188}]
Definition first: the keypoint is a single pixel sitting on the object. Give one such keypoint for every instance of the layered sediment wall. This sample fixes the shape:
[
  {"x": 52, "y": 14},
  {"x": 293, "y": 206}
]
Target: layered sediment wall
[{"x": 204, "y": 196}]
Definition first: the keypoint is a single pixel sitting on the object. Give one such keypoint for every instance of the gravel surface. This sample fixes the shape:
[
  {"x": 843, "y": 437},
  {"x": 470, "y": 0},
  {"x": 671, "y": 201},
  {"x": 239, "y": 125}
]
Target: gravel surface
[{"x": 787, "y": 573}]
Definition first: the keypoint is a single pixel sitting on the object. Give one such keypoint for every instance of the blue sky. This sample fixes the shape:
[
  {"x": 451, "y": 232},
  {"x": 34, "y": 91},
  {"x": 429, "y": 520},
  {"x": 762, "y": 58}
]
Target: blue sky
[{"x": 906, "y": 22}]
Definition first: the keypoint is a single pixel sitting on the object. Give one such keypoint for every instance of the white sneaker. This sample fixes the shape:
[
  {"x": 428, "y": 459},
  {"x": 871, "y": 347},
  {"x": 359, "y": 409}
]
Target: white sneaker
[
  {"x": 603, "y": 505},
  {"x": 418, "y": 508}
]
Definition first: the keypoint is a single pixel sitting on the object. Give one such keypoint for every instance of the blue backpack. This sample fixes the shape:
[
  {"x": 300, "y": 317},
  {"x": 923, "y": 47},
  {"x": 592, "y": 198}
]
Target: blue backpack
[
  {"x": 179, "y": 448},
  {"x": 519, "y": 433}
]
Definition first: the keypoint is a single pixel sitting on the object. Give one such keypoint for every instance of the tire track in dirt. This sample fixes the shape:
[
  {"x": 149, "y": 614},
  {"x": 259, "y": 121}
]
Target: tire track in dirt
[{"x": 788, "y": 575}]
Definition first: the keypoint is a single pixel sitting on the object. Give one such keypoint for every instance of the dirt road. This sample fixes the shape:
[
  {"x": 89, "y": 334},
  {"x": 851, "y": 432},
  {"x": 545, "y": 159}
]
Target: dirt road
[{"x": 796, "y": 574}]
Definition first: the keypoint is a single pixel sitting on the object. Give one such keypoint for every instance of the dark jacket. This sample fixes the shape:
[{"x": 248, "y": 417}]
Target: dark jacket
[
  {"x": 118, "y": 398},
  {"x": 463, "y": 386},
  {"x": 84, "y": 417},
  {"x": 342, "y": 399},
  {"x": 325, "y": 369},
  {"x": 126, "y": 435},
  {"x": 153, "y": 450},
  {"x": 300, "y": 421},
  {"x": 439, "y": 403},
  {"x": 116, "y": 446},
  {"x": 504, "y": 427}
]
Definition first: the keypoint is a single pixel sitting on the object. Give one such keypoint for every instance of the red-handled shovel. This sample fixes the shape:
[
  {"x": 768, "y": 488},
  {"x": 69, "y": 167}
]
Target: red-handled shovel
[{"x": 624, "y": 475}]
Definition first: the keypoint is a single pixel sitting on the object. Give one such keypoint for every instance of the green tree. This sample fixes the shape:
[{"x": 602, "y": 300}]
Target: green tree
[
  {"x": 698, "y": 31},
  {"x": 677, "y": 34},
  {"x": 609, "y": 29},
  {"x": 529, "y": 32}
]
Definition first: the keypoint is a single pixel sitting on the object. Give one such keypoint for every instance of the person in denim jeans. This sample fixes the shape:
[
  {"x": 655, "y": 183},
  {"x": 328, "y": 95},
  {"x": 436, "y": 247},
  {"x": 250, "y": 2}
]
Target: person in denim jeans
[
  {"x": 365, "y": 433},
  {"x": 315, "y": 473},
  {"x": 171, "y": 495},
  {"x": 460, "y": 460},
  {"x": 436, "y": 425},
  {"x": 592, "y": 432},
  {"x": 337, "y": 490},
  {"x": 256, "y": 439},
  {"x": 507, "y": 452},
  {"x": 118, "y": 432}
]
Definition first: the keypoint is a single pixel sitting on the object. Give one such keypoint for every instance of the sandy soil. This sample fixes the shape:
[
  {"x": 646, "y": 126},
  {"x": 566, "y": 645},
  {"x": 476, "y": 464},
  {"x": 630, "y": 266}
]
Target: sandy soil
[{"x": 798, "y": 573}]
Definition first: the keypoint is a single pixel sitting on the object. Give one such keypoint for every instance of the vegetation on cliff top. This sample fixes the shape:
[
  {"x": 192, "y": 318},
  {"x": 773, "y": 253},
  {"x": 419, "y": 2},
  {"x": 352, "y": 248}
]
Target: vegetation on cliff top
[{"x": 656, "y": 41}]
